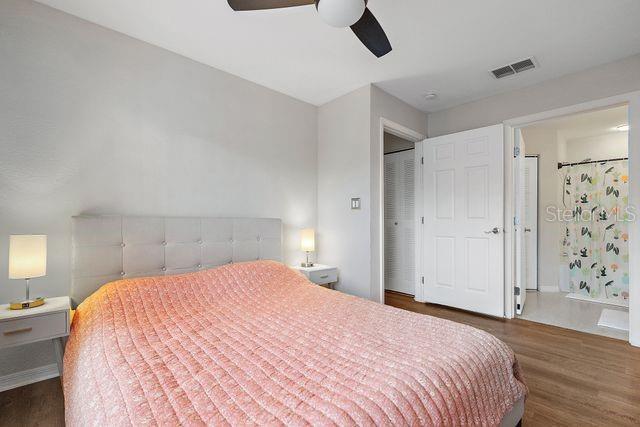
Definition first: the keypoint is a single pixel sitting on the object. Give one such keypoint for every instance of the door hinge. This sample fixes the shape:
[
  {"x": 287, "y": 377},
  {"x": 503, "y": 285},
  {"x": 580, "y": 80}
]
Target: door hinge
[
  {"x": 516, "y": 290},
  {"x": 516, "y": 151},
  {"x": 422, "y": 219},
  {"x": 422, "y": 160},
  {"x": 422, "y": 280}
]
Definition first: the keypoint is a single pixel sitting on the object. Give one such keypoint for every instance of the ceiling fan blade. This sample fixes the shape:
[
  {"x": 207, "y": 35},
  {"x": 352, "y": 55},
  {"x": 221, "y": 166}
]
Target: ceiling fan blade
[
  {"x": 239, "y": 5},
  {"x": 371, "y": 34}
]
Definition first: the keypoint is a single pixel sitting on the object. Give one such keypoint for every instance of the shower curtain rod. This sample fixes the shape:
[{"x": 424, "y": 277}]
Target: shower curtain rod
[{"x": 561, "y": 165}]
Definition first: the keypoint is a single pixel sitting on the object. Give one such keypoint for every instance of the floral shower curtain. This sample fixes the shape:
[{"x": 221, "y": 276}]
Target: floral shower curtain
[{"x": 595, "y": 241}]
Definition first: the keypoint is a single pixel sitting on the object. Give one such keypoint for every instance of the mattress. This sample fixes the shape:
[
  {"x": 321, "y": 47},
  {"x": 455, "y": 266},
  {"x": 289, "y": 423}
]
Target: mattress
[{"x": 257, "y": 344}]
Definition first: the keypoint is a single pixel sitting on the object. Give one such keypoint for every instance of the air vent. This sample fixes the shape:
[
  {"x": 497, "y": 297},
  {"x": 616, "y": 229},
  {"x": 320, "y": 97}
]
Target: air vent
[
  {"x": 516, "y": 67},
  {"x": 525, "y": 65},
  {"x": 501, "y": 72}
]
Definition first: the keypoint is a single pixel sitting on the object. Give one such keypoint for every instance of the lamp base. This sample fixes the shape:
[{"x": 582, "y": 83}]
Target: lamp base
[
  {"x": 306, "y": 264},
  {"x": 22, "y": 305}
]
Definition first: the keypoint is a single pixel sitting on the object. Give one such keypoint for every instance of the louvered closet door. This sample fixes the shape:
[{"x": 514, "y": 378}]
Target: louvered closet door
[
  {"x": 399, "y": 223},
  {"x": 463, "y": 243}
]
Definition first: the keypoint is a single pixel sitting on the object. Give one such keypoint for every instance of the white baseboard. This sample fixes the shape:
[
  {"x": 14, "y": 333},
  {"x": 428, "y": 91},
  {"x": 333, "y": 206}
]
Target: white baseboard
[
  {"x": 30, "y": 376},
  {"x": 615, "y": 319},
  {"x": 598, "y": 300},
  {"x": 548, "y": 289}
]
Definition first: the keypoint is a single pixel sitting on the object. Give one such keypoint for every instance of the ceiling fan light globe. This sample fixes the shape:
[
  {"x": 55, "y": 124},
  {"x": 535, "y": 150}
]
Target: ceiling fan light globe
[{"x": 341, "y": 13}]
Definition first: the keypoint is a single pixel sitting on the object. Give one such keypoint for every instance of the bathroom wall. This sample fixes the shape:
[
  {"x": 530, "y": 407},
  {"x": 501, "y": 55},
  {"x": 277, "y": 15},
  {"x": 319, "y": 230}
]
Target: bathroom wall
[
  {"x": 544, "y": 143},
  {"x": 609, "y": 146}
]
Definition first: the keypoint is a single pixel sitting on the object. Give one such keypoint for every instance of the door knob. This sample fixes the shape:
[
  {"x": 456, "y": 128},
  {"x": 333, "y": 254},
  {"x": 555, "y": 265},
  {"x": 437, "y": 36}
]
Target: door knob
[
  {"x": 527, "y": 230},
  {"x": 494, "y": 230}
]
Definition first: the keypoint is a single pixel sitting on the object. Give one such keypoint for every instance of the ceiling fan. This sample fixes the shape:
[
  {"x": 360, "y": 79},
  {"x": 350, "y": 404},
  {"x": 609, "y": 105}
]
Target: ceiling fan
[{"x": 337, "y": 13}]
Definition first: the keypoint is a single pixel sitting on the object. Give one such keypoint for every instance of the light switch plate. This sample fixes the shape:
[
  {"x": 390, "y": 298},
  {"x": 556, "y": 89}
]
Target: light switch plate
[{"x": 355, "y": 203}]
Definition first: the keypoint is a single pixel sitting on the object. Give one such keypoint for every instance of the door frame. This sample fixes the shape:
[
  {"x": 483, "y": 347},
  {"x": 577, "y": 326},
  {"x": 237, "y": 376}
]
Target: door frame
[
  {"x": 520, "y": 278},
  {"x": 632, "y": 101},
  {"x": 404, "y": 132}
]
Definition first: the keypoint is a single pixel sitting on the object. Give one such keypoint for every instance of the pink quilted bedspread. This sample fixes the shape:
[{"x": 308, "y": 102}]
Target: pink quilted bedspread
[{"x": 256, "y": 343}]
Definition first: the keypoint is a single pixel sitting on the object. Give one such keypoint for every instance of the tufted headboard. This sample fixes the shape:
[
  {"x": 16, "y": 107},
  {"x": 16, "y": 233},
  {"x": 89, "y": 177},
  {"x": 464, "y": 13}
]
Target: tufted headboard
[{"x": 110, "y": 247}]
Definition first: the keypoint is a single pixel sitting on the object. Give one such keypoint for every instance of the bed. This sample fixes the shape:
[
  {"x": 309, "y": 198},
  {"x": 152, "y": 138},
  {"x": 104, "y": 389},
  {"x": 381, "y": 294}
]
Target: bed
[{"x": 252, "y": 342}]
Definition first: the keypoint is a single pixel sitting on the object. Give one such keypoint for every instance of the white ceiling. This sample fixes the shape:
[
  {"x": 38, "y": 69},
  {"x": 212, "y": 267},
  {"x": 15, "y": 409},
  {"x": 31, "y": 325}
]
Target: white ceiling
[
  {"x": 444, "y": 46},
  {"x": 586, "y": 125}
]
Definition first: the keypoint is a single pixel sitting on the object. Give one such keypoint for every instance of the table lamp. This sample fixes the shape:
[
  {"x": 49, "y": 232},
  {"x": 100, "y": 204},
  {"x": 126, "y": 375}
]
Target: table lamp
[
  {"x": 308, "y": 244},
  {"x": 27, "y": 260}
]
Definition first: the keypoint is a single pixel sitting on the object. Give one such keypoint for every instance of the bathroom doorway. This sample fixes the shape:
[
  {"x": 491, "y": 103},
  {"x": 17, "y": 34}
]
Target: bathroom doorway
[{"x": 581, "y": 222}]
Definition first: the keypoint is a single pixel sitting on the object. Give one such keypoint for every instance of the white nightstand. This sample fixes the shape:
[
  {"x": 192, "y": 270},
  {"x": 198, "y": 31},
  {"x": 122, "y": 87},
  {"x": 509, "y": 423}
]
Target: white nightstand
[
  {"x": 48, "y": 322},
  {"x": 319, "y": 274}
]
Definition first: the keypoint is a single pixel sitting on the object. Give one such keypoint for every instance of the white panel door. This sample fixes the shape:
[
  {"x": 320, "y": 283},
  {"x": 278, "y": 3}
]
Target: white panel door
[
  {"x": 531, "y": 221},
  {"x": 399, "y": 221},
  {"x": 463, "y": 205}
]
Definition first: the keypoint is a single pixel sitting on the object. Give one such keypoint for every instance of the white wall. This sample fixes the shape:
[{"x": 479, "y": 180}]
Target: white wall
[
  {"x": 634, "y": 229},
  {"x": 545, "y": 144},
  {"x": 344, "y": 172},
  {"x": 596, "y": 83},
  {"x": 92, "y": 121},
  {"x": 600, "y": 147}
]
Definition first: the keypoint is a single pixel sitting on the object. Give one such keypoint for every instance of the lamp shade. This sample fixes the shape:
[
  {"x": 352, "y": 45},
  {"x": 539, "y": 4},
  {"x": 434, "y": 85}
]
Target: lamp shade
[
  {"x": 27, "y": 256},
  {"x": 308, "y": 240}
]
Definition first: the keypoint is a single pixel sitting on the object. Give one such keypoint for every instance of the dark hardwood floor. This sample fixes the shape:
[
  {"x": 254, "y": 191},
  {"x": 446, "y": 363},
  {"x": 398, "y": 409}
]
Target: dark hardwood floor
[
  {"x": 38, "y": 404},
  {"x": 575, "y": 379}
]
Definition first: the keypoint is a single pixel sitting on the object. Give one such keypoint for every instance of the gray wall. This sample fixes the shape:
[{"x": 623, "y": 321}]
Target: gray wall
[
  {"x": 391, "y": 108},
  {"x": 349, "y": 156},
  {"x": 601, "y": 82},
  {"x": 343, "y": 172},
  {"x": 92, "y": 121}
]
